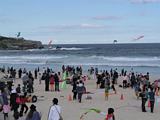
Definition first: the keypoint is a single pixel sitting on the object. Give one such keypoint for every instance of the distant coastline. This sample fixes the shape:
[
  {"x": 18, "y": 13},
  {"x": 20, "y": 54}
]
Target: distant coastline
[
  {"x": 11, "y": 43},
  {"x": 100, "y": 43}
]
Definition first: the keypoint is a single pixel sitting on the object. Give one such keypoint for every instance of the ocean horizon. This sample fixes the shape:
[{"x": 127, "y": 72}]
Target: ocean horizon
[{"x": 143, "y": 57}]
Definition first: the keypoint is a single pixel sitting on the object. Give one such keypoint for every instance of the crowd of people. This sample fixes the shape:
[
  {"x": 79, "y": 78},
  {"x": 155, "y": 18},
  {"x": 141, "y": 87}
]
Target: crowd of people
[{"x": 140, "y": 83}]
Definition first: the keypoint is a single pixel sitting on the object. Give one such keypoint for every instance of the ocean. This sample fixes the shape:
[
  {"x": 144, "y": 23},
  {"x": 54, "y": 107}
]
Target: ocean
[{"x": 141, "y": 57}]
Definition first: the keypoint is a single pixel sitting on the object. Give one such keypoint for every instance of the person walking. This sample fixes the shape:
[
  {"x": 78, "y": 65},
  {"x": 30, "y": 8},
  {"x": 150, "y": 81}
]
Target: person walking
[{"x": 55, "y": 111}]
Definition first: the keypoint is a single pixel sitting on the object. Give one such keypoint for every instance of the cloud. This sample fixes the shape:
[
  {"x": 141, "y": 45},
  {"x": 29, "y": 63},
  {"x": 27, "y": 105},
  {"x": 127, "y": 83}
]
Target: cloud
[
  {"x": 144, "y": 1},
  {"x": 73, "y": 27},
  {"x": 91, "y": 26},
  {"x": 106, "y": 18}
]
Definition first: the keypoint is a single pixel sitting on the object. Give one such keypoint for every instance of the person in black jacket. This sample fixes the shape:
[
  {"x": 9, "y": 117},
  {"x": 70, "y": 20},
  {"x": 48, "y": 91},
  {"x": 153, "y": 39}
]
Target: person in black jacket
[
  {"x": 20, "y": 73},
  {"x": 14, "y": 105},
  {"x": 74, "y": 90},
  {"x": 144, "y": 99},
  {"x": 152, "y": 99},
  {"x": 56, "y": 80},
  {"x": 47, "y": 82}
]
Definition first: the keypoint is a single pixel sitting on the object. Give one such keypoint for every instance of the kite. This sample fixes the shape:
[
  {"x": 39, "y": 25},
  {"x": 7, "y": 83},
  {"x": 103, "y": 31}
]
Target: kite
[
  {"x": 50, "y": 44},
  {"x": 115, "y": 41},
  {"x": 18, "y": 34},
  {"x": 138, "y": 38},
  {"x": 88, "y": 111}
]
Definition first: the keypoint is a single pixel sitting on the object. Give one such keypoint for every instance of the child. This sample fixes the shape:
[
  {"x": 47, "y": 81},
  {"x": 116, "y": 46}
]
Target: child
[
  {"x": 18, "y": 89},
  {"x": 110, "y": 115},
  {"x": 6, "y": 107},
  {"x": 107, "y": 86}
]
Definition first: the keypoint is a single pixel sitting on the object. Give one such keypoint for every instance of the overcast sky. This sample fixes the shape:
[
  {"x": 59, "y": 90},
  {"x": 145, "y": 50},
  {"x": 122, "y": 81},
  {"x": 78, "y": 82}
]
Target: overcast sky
[{"x": 82, "y": 21}]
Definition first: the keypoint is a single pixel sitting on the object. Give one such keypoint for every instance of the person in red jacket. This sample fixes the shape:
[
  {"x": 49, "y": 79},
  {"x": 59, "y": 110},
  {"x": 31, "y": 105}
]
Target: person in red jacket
[
  {"x": 51, "y": 82},
  {"x": 23, "y": 104}
]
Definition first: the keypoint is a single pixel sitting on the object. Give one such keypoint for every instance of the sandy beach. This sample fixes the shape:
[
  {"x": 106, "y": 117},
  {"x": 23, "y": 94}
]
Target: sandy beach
[
  {"x": 104, "y": 54},
  {"x": 127, "y": 109}
]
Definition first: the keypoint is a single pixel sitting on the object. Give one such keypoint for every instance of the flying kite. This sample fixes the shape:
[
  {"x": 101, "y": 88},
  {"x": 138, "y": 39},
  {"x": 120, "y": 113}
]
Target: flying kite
[
  {"x": 50, "y": 44},
  {"x": 115, "y": 41},
  {"x": 18, "y": 34},
  {"x": 138, "y": 38}
]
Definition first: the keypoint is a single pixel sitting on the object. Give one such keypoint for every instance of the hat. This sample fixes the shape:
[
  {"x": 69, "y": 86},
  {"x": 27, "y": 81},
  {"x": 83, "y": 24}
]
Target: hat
[{"x": 32, "y": 107}]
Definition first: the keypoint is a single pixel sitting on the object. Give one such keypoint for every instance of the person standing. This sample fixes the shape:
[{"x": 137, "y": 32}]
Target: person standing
[
  {"x": 52, "y": 80},
  {"x": 144, "y": 99},
  {"x": 33, "y": 114},
  {"x": 107, "y": 87},
  {"x": 110, "y": 115},
  {"x": 20, "y": 73},
  {"x": 14, "y": 105},
  {"x": 55, "y": 111},
  {"x": 35, "y": 73},
  {"x": 39, "y": 77},
  {"x": 80, "y": 90},
  {"x": 56, "y": 78},
  {"x": 6, "y": 107},
  {"x": 23, "y": 104},
  {"x": 133, "y": 80},
  {"x": 25, "y": 79},
  {"x": 47, "y": 82},
  {"x": 152, "y": 99},
  {"x": 30, "y": 84},
  {"x": 74, "y": 90}
]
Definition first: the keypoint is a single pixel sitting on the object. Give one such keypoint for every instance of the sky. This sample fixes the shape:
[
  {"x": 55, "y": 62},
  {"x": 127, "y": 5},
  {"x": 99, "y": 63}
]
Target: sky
[{"x": 82, "y": 21}]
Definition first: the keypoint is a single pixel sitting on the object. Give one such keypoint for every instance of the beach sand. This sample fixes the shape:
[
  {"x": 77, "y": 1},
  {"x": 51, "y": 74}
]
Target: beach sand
[{"x": 127, "y": 109}]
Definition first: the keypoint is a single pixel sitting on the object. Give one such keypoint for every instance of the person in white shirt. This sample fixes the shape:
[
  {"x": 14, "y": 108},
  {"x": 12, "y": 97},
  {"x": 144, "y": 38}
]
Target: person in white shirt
[{"x": 55, "y": 111}]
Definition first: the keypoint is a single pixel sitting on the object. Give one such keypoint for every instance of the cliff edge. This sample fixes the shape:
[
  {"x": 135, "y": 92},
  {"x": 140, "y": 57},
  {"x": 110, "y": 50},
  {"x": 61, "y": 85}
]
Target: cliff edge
[{"x": 10, "y": 43}]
